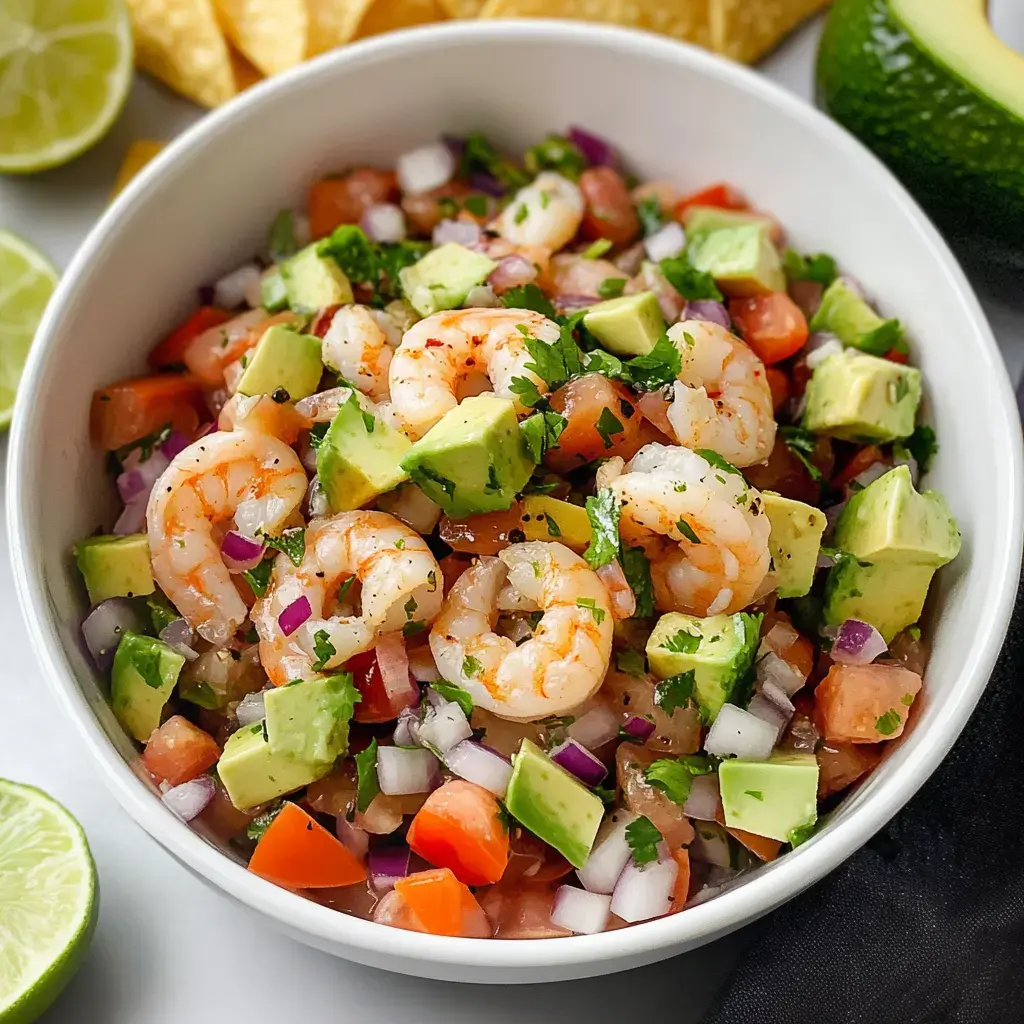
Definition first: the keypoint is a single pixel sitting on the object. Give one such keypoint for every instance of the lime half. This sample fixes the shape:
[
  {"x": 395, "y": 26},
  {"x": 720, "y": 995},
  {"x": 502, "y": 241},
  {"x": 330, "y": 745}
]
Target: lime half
[
  {"x": 65, "y": 71},
  {"x": 27, "y": 280},
  {"x": 48, "y": 901}
]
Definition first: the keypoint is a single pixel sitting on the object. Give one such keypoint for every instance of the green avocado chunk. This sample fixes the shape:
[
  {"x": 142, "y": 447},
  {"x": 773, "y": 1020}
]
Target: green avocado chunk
[
  {"x": 742, "y": 260},
  {"x": 701, "y": 220},
  {"x": 718, "y": 649},
  {"x": 115, "y": 566},
  {"x": 473, "y": 459},
  {"x": 144, "y": 674},
  {"x": 773, "y": 798},
  {"x": 283, "y": 359},
  {"x": 628, "y": 326},
  {"x": 857, "y": 397},
  {"x": 273, "y": 292},
  {"x": 359, "y": 457},
  {"x": 253, "y": 774},
  {"x": 309, "y": 720},
  {"x": 444, "y": 277},
  {"x": 849, "y": 317},
  {"x": 794, "y": 542},
  {"x": 553, "y": 805},
  {"x": 891, "y": 539},
  {"x": 312, "y": 281}
]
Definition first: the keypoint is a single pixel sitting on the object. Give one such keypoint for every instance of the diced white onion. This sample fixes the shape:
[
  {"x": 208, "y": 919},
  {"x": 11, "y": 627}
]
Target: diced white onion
[
  {"x": 481, "y": 765},
  {"x": 426, "y": 168},
  {"x": 444, "y": 727},
  {"x": 240, "y": 286},
  {"x": 461, "y": 232},
  {"x": 831, "y": 347},
  {"x": 702, "y": 803},
  {"x": 482, "y": 297},
  {"x": 189, "y": 799},
  {"x": 711, "y": 845},
  {"x": 421, "y": 665},
  {"x": 401, "y": 771},
  {"x": 644, "y": 892},
  {"x": 666, "y": 243},
  {"x": 251, "y": 709},
  {"x": 598, "y": 726},
  {"x": 736, "y": 732},
  {"x": 579, "y": 911},
  {"x": 775, "y": 670},
  {"x": 384, "y": 222},
  {"x": 761, "y": 707},
  {"x": 602, "y": 868}
]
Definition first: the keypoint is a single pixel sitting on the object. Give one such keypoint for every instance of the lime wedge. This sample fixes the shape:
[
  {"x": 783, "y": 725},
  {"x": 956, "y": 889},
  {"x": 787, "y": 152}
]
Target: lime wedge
[
  {"x": 65, "y": 71},
  {"x": 48, "y": 901},
  {"x": 27, "y": 280}
]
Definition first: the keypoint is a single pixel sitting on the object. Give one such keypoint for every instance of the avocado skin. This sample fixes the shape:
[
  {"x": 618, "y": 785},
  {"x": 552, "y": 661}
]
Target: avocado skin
[{"x": 960, "y": 153}]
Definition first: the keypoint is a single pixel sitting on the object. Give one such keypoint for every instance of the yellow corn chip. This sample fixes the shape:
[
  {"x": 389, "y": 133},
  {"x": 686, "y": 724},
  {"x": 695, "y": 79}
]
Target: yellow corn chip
[
  {"x": 140, "y": 152},
  {"x": 180, "y": 42},
  {"x": 462, "y": 8},
  {"x": 245, "y": 73},
  {"x": 746, "y": 30},
  {"x": 388, "y": 15},
  {"x": 333, "y": 23},
  {"x": 270, "y": 33},
  {"x": 581, "y": 10}
]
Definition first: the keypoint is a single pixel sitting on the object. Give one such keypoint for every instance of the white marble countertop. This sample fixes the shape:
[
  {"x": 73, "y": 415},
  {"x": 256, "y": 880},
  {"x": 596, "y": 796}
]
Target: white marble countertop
[{"x": 168, "y": 948}]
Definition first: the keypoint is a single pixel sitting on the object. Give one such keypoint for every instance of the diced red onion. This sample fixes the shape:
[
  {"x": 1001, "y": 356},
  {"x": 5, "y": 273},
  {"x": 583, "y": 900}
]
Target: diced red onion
[
  {"x": 238, "y": 287},
  {"x": 642, "y": 893},
  {"x": 133, "y": 516},
  {"x": 455, "y": 144},
  {"x": 393, "y": 662},
  {"x": 189, "y": 799},
  {"x": 139, "y": 479},
  {"x": 401, "y": 771},
  {"x": 241, "y": 553},
  {"x": 482, "y": 181},
  {"x": 105, "y": 625},
  {"x": 421, "y": 170},
  {"x": 707, "y": 309},
  {"x": 579, "y": 911},
  {"x": 630, "y": 260},
  {"x": 775, "y": 670},
  {"x": 598, "y": 726},
  {"x": 511, "y": 272},
  {"x": 711, "y": 845},
  {"x": 639, "y": 728},
  {"x": 620, "y": 593},
  {"x": 702, "y": 802},
  {"x": 445, "y": 727},
  {"x": 871, "y": 474},
  {"x": 294, "y": 615},
  {"x": 598, "y": 151},
  {"x": 461, "y": 232},
  {"x": 602, "y": 868},
  {"x": 832, "y": 514},
  {"x": 857, "y": 643},
  {"x": 482, "y": 297},
  {"x": 388, "y": 864},
  {"x": 477, "y": 763},
  {"x": 251, "y": 708},
  {"x": 667, "y": 242},
  {"x": 316, "y": 500},
  {"x": 824, "y": 560},
  {"x": 578, "y": 761},
  {"x": 176, "y": 443},
  {"x": 357, "y": 840},
  {"x": 179, "y": 635},
  {"x": 824, "y": 349},
  {"x": 572, "y": 303},
  {"x": 384, "y": 222},
  {"x": 737, "y": 732},
  {"x": 407, "y": 728}
]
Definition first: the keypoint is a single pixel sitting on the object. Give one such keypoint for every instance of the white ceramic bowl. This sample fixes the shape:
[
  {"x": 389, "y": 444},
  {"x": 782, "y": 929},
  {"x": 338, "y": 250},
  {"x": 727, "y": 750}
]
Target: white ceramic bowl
[{"x": 204, "y": 205}]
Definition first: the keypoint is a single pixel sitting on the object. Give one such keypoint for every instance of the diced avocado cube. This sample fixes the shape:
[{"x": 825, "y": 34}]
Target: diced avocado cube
[
  {"x": 473, "y": 459},
  {"x": 144, "y": 674},
  {"x": 115, "y": 566},
  {"x": 794, "y": 542},
  {"x": 444, "y": 277},
  {"x": 553, "y": 805},
  {"x": 772, "y": 798},
  {"x": 309, "y": 720},
  {"x": 857, "y": 397},
  {"x": 359, "y": 457},
  {"x": 718, "y": 649},
  {"x": 313, "y": 281},
  {"x": 273, "y": 293},
  {"x": 627, "y": 326},
  {"x": 702, "y": 220},
  {"x": 283, "y": 359},
  {"x": 253, "y": 774},
  {"x": 848, "y": 316},
  {"x": 892, "y": 540},
  {"x": 547, "y": 518},
  {"x": 742, "y": 260}
]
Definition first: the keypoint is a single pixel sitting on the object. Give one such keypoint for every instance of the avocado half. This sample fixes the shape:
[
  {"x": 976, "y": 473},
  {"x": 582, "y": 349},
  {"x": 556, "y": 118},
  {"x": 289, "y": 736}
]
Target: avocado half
[{"x": 939, "y": 97}]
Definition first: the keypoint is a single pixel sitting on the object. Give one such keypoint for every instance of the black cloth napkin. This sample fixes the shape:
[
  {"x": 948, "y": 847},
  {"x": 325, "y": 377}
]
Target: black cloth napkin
[{"x": 926, "y": 923}]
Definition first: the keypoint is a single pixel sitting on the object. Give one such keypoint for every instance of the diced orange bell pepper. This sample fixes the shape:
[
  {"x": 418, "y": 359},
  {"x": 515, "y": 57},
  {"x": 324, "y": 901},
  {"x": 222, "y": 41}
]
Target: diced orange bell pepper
[
  {"x": 130, "y": 409},
  {"x": 441, "y": 903},
  {"x": 179, "y": 751}
]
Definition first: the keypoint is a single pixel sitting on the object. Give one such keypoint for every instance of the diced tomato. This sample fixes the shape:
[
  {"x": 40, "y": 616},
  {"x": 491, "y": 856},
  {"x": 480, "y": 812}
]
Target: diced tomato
[
  {"x": 724, "y": 196},
  {"x": 862, "y": 460},
  {"x": 323, "y": 320},
  {"x": 609, "y": 211},
  {"x": 521, "y": 911},
  {"x": 297, "y": 852},
  {"x": 443, "y": 904},
  {"x": 485, "y": 534},
  {"x": 682, "y": 887},
  {"x": 780, "y": 387},
  {"x": 586, "y": 403},
  {"x": 533, "y": 859},
  {"x": 130, "y": 409},
  {"x": 376, "y": 704},
  {"x": 179, "y": 751},
  {"x": 842, "y": 764},
  {"x": 865, "y": 703},
  {"x": 460, "y": 827},
  {"x": 894, "y": 355},
  {"x": 772, "y": 325},
  {"x": 171, "y": 351},
  {"x": 335, "y": 201}
]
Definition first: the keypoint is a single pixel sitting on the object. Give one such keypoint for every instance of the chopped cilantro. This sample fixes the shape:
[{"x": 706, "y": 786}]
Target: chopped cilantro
[
  {"x": 146, "y": 661},
  {"x": 675, "y": 692},
  {"x": 521, "y": 213},
  {"x": 556, "y": 154},
  {"x": 258, "y": 578},
  {"x": 554, "y": 530},
  {"x": 755, "y": 793},
  {"x": 607, "y": 426},
  {"x": 369, "y": 420},
  {"x": 643, "y": 839},
  {"x": 716, "y": 460},
  {"x": 281, "y": 237},
  {"x": 888, "y": 335},
  {"x": 596, "y": 249},
  {"x": 476, "y": 205},
  {"x": 454, "y": 693},
  {"x": 424, "y": 474},
  {"x": 691, "y": 283},
  {"x": 471, "y": 667},
  {"x": 907, "y": 699},
  {"x": 674, "y": 776},
  {"x": 888, "y": 723},
  {"x": 660, "y": 366},
  {"x": 819, "y": 267},
  {"x": 493, "y": 485},
  {"x": 606, "y": 794},
  {"x": 316, "y": 435},
  {"x": 344, "y": 588},
  {"x": 611, "y": 287},
  {"x": 478, "y": 154},
  {"x": 541, "y": 431},
  {"x": 682, "y": 642},
  {"x": 323, "y": 648},
  {"x": 558, "y": 361},
  {"x": 202, "y": 695},
  {"x": 160, "y": 612},
  {"x": 637, "y": 570},
  {"x": 800, "y": 834},
  {"x": 144, "y": 445},
  {"x": 367, "y": 786},
  {"x": 802, "y": 443},
  {"x": 591, "y": 605},
  {"x": 259, "y": 825},
  {"x": 291, "y": 541},
  {"x": 410, "y": 607},
  {"x": 605, "y": 364},
  {"x": 526, "y": 391},
  {"x": 649, "y": 212},
  {"x": 603, "y": 511},
  {"x": 349, "y": 247},
  {"x": 687, "y": 531},
  {"x": 923, "y": 446},
  {"x": 529, "y": 296},
  {"x": 631, "y": 662}
]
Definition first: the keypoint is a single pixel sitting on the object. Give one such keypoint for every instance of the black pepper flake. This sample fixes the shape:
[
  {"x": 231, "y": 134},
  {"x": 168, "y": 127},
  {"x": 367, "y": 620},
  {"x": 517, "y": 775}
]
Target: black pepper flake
[
  {"x": 280, "y": 395},
  {"x": 516, "y": 536}
]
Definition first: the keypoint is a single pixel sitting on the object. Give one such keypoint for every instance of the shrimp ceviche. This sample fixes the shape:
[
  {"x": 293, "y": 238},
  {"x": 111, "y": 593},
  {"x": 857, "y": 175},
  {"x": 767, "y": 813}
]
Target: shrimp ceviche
[{"x": 515, "y": 549}]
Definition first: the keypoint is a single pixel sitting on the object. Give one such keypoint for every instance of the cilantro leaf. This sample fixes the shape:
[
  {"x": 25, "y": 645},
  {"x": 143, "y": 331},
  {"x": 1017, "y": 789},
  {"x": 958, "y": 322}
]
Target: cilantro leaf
[
  {"x": 160, "y": 612},
  {"x": 674, "y": 692},
  {"x": 323, "y": 648},
  {"x": 144, "y": 445},
  {"x": 802, "y": 443},
  {"x": 259, "y": 825},
  {"x": 349, "y": 247},
  {"x": 470, "y": 666},
  {"x": 611, "y": 287},
  {"x": 659, "y": 367},
  {"x": 526, "y": 391},
  {"x": 800, "y": 834},
  {"x": 556, "y": 362},
  {"x": 643, "y": 838},
  {"x": 631, "y": 662},
  {"x": 886, "y": 724},
  {"x": 691, "y": 283},
  {"x": 454, "y": 693},
  {"x": 317, "y": 434},
  {"x": 687, "y": 531},
  {"x": 682, "y": 642},
  {"x": 557, "y": 154},
  {"x": 596, "y": 249},
  {"x": 637, "y": 570},
  {"x": 145, "y": 659},
  {"x": 607, "y": 426},
  {"x": 716, "y": 460},
  {"x": 367, "y": 786},
  {"x": 888, "y": 335},
  {"x": 396, "y": 256},
  {"x": 478, "y": 154},
  {"x": 605, "y": 364},
  {"x": 819, "y": 267},
  {"x": 923, "y": 446},
  {"x": 291, "y": 541},
  {"x": 603, "y": 511},
  {"x": 591, "y": 605},
  {"x": 369, "y": 420},
  {"x": 202, "y": 695},
  {"x": 281, "y": 237},
  {"x": 649, "y": 212},
  {"x": 426, "y": 478},
  {"x": 259, "y": 577},
  {"x": 674, "y": 776},
  {"x": 541, "y": 431},
  {"x": 529, "y": 296}
]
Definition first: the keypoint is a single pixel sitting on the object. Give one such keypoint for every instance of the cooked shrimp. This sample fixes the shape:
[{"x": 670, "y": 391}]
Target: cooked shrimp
[
  {"x": 546, "y": 212},
  {"x": 438, "y": 353},
  {"x": 252, "y": 478},
  {"x": 400, "y": 584},
  {"x": 564, "y": 662},
  {"x": 721, "y": 400},
  {"x": 703, "y": 529},
  {"x": 359, "y": 345}
]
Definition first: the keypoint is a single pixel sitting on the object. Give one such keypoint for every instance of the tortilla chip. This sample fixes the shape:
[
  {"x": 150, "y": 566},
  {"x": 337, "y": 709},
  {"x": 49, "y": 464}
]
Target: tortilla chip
[
  {"x": 180, "y": 42},
  {"x": 745, "y": 30},
  {"x": 270, "y": 33},
  {"x": 245, "y": 73},
  {"x": 140, "y": 152},
  {"x": 333, "y": 23},
  {"x": 462, "y": 8},
  {"x": 388, "y": 15}
]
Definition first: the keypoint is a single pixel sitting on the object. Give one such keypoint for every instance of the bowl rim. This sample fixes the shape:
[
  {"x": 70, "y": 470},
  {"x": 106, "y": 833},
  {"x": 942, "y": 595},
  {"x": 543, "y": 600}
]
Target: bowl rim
[{"x": 321, "y": 925}]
